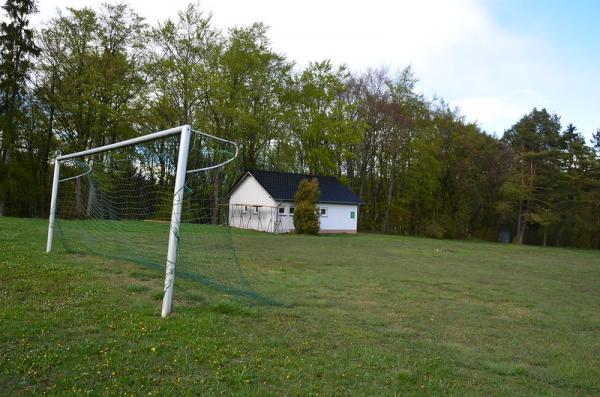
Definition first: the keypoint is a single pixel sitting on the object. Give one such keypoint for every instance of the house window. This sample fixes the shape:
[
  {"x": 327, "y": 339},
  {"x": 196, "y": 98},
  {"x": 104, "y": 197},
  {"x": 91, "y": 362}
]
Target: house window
[
  {"x": 245, "y": 209},
  {"x": 323, "y": 211},
  {"x": 281, "y": 210},
  {"x": 256, "y": 209},
  {"x": 292, "y": 211},
  {"x": 352, "y": 214}
]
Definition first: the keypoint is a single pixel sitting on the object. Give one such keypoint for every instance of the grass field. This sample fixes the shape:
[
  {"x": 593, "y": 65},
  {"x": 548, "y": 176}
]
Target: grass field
[{"x": 364, "y": 315}]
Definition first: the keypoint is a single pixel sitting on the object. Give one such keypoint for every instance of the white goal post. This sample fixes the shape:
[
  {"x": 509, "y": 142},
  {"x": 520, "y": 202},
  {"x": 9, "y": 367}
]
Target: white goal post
[{"x": 184, "y": 133}]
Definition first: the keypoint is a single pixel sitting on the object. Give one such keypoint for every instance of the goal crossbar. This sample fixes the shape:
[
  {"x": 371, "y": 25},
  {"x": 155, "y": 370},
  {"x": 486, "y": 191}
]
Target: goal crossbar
[{"x": 128, "y": 142}]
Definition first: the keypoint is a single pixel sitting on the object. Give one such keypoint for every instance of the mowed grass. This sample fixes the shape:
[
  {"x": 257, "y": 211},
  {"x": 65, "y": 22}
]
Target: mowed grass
[{"x": 363, "y": 315}]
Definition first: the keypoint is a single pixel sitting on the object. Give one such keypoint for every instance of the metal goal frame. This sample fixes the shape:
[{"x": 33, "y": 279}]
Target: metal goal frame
[{"x": 185, "y": 133}]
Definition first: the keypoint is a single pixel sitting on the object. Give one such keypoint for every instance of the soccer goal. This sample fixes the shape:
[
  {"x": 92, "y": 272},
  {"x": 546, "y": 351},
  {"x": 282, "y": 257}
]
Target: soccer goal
[{"x": 152, "y": 200}]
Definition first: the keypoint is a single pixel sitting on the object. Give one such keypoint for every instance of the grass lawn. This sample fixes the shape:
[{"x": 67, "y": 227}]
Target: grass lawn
[{"x": 365, "y": 315}]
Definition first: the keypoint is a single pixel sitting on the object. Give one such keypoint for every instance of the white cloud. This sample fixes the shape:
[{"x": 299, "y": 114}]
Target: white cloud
[
  {"x": 491, "y": 111},
  {"x": 360, "y": 33}
]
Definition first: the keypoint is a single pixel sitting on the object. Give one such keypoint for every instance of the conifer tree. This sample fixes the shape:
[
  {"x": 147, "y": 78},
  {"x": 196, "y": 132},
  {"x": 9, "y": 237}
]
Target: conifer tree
[
  {"x": 596, "y": 141},
  {"x": 306, "y": 215},
  {"x": 17, "y": 46}
]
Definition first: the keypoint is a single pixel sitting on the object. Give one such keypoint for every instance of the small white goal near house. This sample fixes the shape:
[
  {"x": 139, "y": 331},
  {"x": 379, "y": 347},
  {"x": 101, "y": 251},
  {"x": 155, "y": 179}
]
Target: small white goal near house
[{"x": 152, "y": 200}]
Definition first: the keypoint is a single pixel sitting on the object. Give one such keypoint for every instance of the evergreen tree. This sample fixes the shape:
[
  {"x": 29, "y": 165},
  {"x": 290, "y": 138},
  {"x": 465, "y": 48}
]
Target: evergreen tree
[
  {"x": 306, "y": 214},
  {"x": 596, "y": 141},
  {"x": 537, "y": 141},
  {"x": 17, "y": 48}
]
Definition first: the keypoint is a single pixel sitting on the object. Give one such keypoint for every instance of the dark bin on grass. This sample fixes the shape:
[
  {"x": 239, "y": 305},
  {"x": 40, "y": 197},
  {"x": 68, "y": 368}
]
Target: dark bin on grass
[{"x": 504, "y": 236}]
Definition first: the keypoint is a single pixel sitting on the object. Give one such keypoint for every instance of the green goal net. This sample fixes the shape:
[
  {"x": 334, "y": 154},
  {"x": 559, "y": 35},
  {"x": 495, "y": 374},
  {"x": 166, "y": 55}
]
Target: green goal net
[{"x": 118, "y": 204}]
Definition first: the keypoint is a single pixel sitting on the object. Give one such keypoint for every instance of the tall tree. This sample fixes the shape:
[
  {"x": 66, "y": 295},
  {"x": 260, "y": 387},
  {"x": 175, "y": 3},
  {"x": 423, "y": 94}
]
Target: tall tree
[
  {"x": 321, "y": 130},
  {"x": 255, "y": 80},
  {"x": 89, "y": 79},
  {"x": 474, "y": 167},
  {"x": 91, "y": 75},
  {"x": 184, "y": 78},
  {"x": 17, "y": 48},
  {"x": 537, "y": 141},
  {"x": 247, "y": 101},
  {"x": 596, "y": 141}
]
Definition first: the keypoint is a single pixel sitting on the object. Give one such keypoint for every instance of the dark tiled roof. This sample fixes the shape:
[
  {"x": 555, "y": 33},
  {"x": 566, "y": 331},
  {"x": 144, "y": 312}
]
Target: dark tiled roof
[{"x": 283, "y": 186}]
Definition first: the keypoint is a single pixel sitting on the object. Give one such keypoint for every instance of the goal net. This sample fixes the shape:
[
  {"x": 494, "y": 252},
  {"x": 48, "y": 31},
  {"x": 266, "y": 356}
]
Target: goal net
[{"x": 126, "y": 203}]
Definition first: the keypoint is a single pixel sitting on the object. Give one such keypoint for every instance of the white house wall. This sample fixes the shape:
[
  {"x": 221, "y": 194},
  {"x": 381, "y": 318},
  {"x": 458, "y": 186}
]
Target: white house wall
[
  {"x": 249, "y": 192},
  {"x": 286, "y": 221},
  {"x": 337, "y": 220}
]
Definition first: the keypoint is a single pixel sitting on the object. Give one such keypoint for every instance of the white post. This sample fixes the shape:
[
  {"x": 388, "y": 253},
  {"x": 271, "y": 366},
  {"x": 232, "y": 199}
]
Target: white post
[
  {"x": 53, "y": 199},
  {"x": 184, "y": 144}
]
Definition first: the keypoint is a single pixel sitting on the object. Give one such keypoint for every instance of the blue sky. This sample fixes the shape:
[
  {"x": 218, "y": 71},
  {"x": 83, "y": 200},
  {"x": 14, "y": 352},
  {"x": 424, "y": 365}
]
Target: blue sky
[
  {"x": 493, "y": 59},
  {"x": 569, "y": 36},
  {"x": 572, "y": 26}
]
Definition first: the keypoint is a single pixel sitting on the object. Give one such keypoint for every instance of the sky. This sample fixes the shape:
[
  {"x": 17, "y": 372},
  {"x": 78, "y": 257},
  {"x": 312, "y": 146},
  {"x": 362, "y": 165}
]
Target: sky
[{"x": 493, "y": 59}]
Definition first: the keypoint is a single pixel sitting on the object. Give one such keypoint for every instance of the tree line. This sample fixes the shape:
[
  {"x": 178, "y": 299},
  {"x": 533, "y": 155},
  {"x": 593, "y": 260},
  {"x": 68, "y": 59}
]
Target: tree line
[{"x": 90, "y": 77}]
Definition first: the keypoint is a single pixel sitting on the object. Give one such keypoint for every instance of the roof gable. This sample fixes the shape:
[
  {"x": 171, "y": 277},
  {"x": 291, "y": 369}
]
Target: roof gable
[{"x": 282, "y": 186}]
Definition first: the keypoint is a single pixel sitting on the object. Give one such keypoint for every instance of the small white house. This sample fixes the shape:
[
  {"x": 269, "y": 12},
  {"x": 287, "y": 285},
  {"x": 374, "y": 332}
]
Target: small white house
[{"x": 264, "y": 200}]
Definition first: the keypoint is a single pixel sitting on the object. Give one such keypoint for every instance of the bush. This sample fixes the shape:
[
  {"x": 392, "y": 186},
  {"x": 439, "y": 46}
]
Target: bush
[
  {"x": 433, "y": 229},
  {"x": 306, "y": 214}
]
